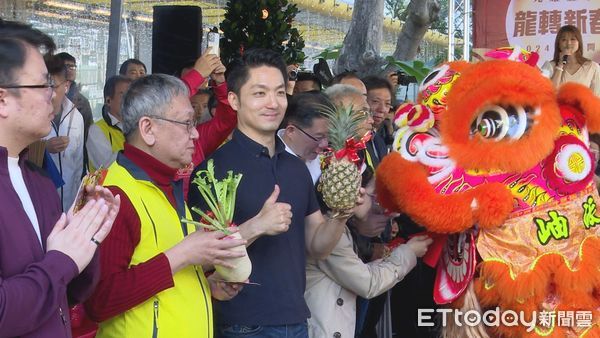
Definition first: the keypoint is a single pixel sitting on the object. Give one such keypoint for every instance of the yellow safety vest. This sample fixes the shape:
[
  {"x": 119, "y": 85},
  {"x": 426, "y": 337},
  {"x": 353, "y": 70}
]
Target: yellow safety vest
[
  {"x": 181, "y": 311},
  {"x": 113, "y": 135}
]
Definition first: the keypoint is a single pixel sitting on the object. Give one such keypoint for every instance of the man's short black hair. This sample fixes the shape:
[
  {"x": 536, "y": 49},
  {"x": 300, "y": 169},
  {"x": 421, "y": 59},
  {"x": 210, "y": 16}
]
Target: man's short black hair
[
  {"x": 238, "y": 71},
  {"x": 14, "y": 37},
  {"x": 125, "y": 65},
  {"x": 111, "y": 84},
  {"x": 189, "y": 64},
  {"x": 344, "y": 75},
  {"x": 55, "y": 65},
  {"x": 204, "y": 91},
  {"x": 309, "y": 76},
  {"x": 303, "y": 108},
  {"x": 377, "y": 82},
  {"x": 66, "y": 57},
  {"x": 26, "y": 33}
]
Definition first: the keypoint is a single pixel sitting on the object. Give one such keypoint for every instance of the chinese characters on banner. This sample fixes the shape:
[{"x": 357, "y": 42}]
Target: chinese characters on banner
[{"x": 533, "y": 24}]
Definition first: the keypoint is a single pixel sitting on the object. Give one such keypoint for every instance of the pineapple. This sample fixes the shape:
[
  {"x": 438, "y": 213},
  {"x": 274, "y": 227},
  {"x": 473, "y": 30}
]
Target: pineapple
[{"x": 341, "y": 177}]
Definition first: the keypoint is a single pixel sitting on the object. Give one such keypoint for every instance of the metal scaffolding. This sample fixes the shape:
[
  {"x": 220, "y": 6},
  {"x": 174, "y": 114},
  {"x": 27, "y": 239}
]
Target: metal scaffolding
[{"x": 459, "y": 28}]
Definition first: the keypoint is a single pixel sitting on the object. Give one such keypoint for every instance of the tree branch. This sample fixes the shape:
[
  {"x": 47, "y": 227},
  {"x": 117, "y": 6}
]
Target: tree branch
[
  {"x": 362, "y": 44},
  {"x": 421, "y": 14}
]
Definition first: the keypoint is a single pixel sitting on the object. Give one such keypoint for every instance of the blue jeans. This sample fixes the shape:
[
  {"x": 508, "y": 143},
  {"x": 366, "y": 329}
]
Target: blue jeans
[
  {"x": 362, "y": 305},
  {"x": 276, "y": 331}
]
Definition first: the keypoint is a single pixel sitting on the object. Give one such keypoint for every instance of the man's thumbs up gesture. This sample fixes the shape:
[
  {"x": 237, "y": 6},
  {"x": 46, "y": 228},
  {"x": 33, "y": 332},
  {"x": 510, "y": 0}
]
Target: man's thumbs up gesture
[{"x": 274, "y": 217}]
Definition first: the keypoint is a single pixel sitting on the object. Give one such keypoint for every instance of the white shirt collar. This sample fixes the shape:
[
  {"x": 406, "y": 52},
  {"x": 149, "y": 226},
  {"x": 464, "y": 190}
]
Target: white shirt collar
[
  {"x": 114, "y": 121},
  {"x": 287, "y": 148},
  {"x": 314, "y": 166}
]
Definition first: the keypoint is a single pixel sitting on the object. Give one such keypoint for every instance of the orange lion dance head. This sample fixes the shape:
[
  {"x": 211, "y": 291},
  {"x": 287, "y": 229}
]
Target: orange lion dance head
[{"x": 505, "y": 178}]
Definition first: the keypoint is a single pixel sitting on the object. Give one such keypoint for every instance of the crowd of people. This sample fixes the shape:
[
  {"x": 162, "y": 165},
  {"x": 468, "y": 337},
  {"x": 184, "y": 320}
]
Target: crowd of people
[{"x": 122, "y": 249}]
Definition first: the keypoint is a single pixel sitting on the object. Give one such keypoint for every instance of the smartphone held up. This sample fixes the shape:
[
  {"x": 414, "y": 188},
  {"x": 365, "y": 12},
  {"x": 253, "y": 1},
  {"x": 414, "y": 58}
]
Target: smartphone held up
[{"x": 212, "y": 41}]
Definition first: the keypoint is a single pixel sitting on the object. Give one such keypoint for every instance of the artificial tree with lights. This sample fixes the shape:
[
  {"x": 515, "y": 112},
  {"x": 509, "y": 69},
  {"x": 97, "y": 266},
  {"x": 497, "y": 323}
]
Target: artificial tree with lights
[{"x": 261, "y": 24}]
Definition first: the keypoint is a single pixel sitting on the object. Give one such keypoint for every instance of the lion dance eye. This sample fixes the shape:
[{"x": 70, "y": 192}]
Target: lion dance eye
[
  {"x": 429, "y": 79},
  {"x": 498, "y": 122},
  {"x": 434, "y": 76}
]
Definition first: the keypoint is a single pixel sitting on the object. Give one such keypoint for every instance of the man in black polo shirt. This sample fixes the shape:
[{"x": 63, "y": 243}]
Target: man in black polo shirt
[{"x": 276, "y": 308}]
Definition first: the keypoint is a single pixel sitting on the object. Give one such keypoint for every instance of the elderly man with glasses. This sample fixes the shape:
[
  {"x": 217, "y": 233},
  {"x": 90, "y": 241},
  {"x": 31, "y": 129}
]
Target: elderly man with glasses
[
  {"x": 367, "y": 232},
  {"x": 306, "y": 129},
  {"x": 152, "y": 264}
]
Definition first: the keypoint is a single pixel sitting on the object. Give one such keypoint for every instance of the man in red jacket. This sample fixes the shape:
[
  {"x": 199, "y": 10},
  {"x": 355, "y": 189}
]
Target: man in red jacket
[{"x": 215, "y": 131}]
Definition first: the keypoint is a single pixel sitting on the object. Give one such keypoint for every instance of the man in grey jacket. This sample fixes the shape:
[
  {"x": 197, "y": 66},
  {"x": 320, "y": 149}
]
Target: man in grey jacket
[{"x": 45, "y": 255}]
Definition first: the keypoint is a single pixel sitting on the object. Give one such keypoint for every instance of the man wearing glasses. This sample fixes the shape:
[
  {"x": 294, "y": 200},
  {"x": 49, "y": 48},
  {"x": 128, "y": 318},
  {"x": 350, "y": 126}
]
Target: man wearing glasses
[
  {"x": 74, "y": 94},
  {"x": 66, "y": 139},
  {"x": 44, "y": 255},
  {"x": 354, "y": 96},
  {"x": 152, "y": 280},
  {"x": 306, "y": 128}
]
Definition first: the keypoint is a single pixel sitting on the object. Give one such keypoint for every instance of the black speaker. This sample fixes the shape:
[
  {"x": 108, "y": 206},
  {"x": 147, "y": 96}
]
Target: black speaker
[{"x": 176, "y": 37}]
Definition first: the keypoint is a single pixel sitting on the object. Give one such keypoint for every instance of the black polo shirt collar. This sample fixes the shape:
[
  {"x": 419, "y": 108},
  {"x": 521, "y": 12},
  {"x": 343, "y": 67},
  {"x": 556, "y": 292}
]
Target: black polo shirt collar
[{"x": 255, "y": 148}]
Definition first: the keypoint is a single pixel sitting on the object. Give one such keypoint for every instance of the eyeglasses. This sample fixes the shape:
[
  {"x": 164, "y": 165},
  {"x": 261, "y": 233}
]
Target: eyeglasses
[
  {"x": 50, "y": 84},
  {"x": 68, "y": 66},
  {"x": 189, "y": 125},
  {"x": 318, "y": 140},
  {"x": 365, "y": 112}
]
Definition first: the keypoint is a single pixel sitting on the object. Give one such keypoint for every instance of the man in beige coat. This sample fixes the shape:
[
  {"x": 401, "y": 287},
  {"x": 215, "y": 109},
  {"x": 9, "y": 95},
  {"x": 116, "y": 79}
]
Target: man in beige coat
[{"x": 332, "y": 284}]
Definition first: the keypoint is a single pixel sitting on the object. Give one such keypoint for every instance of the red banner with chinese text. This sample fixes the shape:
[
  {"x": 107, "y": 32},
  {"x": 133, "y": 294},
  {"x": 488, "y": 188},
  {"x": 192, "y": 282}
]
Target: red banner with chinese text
[{"x": 533, "y": 24}]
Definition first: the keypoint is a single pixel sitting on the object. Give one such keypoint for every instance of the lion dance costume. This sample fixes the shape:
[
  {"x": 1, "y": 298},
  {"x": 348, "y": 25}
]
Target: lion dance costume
[{"x": 496, "y": 164}]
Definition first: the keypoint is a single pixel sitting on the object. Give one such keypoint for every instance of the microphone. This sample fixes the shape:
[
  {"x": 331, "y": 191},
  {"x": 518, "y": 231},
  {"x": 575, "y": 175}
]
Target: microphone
[{"x": 564, "y": 59}]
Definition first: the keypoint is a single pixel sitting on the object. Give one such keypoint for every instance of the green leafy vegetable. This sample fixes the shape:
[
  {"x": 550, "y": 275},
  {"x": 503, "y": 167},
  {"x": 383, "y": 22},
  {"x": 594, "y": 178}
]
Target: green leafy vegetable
[{"x": 219, "y": 196}]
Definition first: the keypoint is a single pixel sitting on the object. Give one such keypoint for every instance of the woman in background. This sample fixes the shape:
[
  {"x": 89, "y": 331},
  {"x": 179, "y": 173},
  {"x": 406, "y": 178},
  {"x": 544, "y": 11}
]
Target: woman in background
[{"x": 569, "y": 64}]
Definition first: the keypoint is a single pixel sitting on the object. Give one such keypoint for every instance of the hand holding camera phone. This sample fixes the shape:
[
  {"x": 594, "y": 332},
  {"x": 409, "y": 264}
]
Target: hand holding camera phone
[{"x": 212, "y": 41}]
